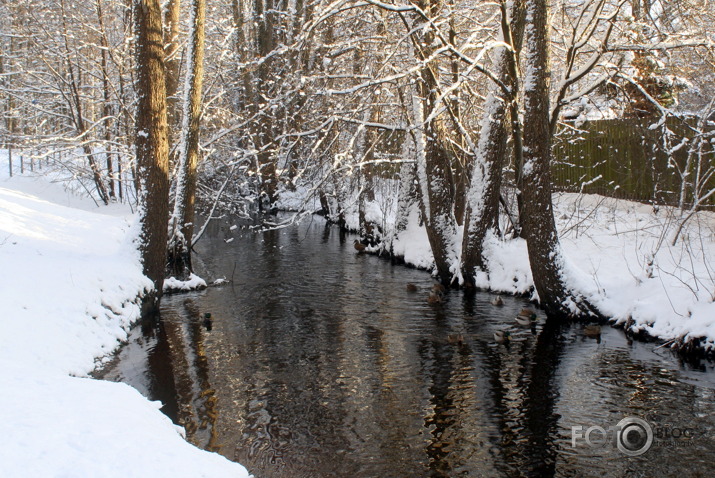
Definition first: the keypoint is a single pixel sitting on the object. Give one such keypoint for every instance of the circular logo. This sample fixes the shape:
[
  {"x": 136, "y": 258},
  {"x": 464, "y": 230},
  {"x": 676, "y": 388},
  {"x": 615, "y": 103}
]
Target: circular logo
[{"x": 634, "y": 436}]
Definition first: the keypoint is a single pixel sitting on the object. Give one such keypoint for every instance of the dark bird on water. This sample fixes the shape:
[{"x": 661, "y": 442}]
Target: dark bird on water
[
  {"x": 411, "y": 287},
  {"x": 208, "y": 323},
  {"x": 434, "y": 298},
  {"x": 593, "y": 331},
  {"x": 436, "y": 295},
  {"x": 526, "y": 317},
  {"x": 502, "y": 336},
  {"x": 439, "y": 288},
  {"x": 359, "y": 246},
  {"x": 456, "y": 339}
]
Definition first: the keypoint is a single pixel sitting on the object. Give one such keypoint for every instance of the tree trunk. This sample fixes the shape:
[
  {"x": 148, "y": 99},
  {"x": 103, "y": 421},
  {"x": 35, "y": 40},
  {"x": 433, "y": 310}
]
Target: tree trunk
[
  {"x": 365, "y": 155},
  {"x": 460, "y": 160},
  {"x": 267, "y": 13},
  {"x": 106, "y": 106},
  {"x": 434, "y": 161},
  {"x": 245, "y": 100},
  {"x": 9, "y": 105},
  {"x": 482, "y": 217},
  {"x": 539, "y": 227},
  {"x": 182, "y": 219},
  {"x": 172, "y": 60},
  {"x": 152, "y": 147},
  {"x": 406, "y": 200},
  {"x": 640, "y": 105},
  {"x": 75, "y": 101}
]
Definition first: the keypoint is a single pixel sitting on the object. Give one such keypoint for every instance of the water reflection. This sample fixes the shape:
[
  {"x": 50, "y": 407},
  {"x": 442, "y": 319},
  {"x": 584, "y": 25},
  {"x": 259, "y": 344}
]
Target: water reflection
[{"x": 321, "y": 363}]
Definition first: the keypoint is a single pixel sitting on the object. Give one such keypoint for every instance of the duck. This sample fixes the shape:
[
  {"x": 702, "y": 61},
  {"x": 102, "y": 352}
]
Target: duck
[
  {"x": 359, "y": 246},
  {"x": 411, "y": 287},
  {"x": 526, "y": 317},
  {"x": 593, "y": 331},
  {"x": 502, "y": 336},
  {"x": 208, "y": 323},
  {"x": 497, "y": 301},
  {"x": 435, "y": 298},
  {"x": 455, "y": 339},
  {"x": 439, "y": 289}
]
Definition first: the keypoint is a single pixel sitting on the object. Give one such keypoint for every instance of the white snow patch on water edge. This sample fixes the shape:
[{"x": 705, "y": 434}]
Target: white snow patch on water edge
[{"x": 194, "y": 282}]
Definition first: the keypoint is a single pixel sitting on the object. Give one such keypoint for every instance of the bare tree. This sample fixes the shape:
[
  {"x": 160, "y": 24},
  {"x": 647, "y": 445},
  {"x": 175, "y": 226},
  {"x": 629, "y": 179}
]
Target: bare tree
[
  {"x": 106, "y": 94},
  {"x": 482, "y": 217},
  {"x": 152, "y": 146},
  {"x": 172, "y": 45},
  {"x": 77, "y": 110},
  {"x": 182, "y": 219},
  {"x": 546, "y": 258},
  {"x": 434, "y": 161}
]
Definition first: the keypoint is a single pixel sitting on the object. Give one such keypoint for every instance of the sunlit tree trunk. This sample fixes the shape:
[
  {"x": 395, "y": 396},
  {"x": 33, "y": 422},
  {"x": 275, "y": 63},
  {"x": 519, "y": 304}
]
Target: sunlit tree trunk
[
  {"x": 182, "y": 219},
  {"x": 434, "y": 161},
  {"x": 172, "y": 22},
  {"x": 482, "y": 217},
  {"x": 152, "y": 147}
]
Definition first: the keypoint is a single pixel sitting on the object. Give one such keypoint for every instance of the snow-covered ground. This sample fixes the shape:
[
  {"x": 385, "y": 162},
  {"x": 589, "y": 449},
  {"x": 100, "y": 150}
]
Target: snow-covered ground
[
  {"x": 70, "y": 277},
  {"x": 631, "y": 270},
  {"x": 622, "y": 259}
]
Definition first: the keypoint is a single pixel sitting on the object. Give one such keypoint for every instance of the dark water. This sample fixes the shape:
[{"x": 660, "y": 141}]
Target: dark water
[{"x": 319, "y": 362}]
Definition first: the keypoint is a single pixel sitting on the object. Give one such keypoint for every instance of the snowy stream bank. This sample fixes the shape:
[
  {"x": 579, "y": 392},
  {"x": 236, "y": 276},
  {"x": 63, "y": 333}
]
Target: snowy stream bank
[{"x": 70, "y": 277}]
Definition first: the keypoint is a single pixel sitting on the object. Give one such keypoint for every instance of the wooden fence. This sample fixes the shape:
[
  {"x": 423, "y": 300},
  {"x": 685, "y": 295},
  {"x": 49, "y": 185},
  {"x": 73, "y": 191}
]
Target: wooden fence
[{"x": 622, "y": 158}]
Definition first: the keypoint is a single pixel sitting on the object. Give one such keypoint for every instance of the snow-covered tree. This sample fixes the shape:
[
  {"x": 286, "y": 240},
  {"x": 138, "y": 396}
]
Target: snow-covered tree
[
  {"x": 181, "y": 222},
  {"x": 501, "y": 106}
]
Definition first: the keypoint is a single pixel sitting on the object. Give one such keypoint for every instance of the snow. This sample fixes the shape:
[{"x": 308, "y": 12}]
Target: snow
[
  {"x": 624, "y": 248},
  {"x": 508, "y": 263},
  {"x": 412, "y": 244},
  {"x": 295, "y": 200},
  {"x": 194, "y": 282},
  {"x": 71, "y": 276}
]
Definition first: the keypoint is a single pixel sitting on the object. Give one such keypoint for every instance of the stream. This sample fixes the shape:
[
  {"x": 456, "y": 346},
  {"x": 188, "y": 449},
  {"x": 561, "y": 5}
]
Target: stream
[{"x": 318, "y": 362}]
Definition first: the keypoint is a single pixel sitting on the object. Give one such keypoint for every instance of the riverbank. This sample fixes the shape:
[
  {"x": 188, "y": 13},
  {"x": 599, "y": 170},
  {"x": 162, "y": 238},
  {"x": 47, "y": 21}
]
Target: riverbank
[
  {"x": 71, "y": 276},
  {"x": 621, "y": 258}
]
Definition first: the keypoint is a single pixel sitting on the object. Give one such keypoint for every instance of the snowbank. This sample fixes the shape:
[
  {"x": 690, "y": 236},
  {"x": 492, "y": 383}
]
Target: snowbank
[
  {"x": 632, "y": 271},
  {"x": 70, "y": 277}
]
